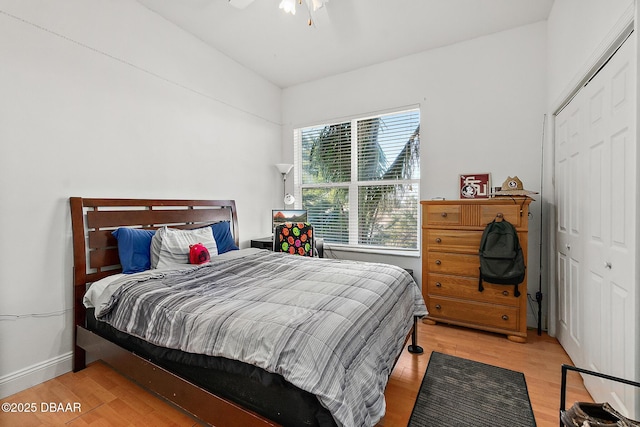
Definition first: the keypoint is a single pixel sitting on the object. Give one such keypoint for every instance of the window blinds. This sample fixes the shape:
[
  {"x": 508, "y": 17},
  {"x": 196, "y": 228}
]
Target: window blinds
[{"x": 359, "y": 179}]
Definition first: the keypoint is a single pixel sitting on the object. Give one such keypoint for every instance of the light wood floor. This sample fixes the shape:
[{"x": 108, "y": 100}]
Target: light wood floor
[
  {"x": 108, "y": 399},
  {"x": 540, "y": 361}
]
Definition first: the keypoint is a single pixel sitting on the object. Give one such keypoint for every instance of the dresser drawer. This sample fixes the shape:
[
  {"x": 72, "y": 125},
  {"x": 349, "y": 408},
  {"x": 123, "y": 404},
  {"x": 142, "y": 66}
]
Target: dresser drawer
[
  {"x": 511, "y": 213},
  {"x": 493, "y": 316},
  {"x": 441, "y": 215},
  {"x": 452, "y": 240},
  {"x": 476, "y": 215},
  {"x": 467, "y": 288},
  {"x": 453, "y": 263}
]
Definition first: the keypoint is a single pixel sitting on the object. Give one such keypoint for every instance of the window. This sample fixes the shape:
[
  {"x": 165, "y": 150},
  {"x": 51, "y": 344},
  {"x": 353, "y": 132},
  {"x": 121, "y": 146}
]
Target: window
[{"x": 359, "y": 180}]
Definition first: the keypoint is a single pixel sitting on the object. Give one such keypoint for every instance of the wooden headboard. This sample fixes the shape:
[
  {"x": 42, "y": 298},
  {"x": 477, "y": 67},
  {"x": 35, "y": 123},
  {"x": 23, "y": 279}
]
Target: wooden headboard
[{"x": 95, "y": 252}]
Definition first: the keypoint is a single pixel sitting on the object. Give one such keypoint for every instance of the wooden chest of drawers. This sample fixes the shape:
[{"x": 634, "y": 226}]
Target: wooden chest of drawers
[{"x": 451, "y": 233}]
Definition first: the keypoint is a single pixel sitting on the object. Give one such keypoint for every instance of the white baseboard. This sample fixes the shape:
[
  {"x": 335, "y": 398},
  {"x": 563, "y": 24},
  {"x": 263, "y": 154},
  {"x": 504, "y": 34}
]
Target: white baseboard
[{"x": 35, "y": 374}]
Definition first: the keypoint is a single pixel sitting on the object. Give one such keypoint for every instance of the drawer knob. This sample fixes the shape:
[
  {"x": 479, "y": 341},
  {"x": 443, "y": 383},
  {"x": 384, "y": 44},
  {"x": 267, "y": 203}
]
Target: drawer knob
[
  {"x": 505, "y": 317},
  {"x": 438, "y": 262},
  {"x": 438, "y": 240},
  {"x": 443, "y": 214},
  {"x": 438, "y": 285},
  {"x": 505, "y": 293},
  {"x": 438, "y": 306}
]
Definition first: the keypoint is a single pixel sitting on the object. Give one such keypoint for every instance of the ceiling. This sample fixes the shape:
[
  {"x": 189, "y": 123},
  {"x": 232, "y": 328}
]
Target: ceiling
[{"x": 346, "y": 35}]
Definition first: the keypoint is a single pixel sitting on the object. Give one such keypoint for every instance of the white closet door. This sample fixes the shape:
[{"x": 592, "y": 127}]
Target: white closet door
[
  {"x": 611, "y": 239},
  {"x": 569, "y": 171},
  {"x": 596, "y": 180}
]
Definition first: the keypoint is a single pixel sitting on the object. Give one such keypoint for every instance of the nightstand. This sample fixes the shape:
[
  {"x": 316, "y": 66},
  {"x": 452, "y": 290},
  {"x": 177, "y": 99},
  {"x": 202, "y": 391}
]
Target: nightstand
[{"x": 263, "y": 243}]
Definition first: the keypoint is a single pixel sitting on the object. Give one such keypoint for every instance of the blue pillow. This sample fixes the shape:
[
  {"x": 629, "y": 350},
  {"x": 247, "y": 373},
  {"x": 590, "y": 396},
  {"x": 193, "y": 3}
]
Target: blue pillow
[
  {"x": 134, "y": 249},
  {"x": 224, "y": 239}
]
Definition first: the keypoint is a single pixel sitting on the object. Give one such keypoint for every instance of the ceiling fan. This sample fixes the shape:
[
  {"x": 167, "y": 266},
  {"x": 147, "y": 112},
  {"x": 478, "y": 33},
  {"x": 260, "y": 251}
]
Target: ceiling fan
[{"x": 288, "y": 6}]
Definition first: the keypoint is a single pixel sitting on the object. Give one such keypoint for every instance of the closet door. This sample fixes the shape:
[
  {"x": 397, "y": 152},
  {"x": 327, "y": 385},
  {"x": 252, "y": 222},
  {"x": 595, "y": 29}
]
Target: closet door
[
  {"x": 596, "y": 179},
  {"x": 610, "y": 277},
  {"x": 569, "y": 173}
]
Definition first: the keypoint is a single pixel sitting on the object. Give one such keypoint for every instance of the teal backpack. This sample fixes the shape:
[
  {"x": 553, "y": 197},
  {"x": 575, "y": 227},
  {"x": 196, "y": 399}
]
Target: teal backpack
[{"x": 501, "y": 258}]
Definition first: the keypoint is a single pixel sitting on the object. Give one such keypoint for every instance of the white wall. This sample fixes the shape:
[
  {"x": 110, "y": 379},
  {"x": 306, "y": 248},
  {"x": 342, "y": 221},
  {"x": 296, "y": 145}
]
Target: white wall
[
  {"x": 107, "y": 99},
  {"x": 579, "y": 33},
  {"x": 482, "y": 105},
  {"x": 98, "y": 96}
]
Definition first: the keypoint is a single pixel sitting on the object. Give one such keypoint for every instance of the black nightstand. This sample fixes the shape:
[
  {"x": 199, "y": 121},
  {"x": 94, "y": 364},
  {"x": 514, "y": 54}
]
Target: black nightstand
[{"x": 263, "y": 243}]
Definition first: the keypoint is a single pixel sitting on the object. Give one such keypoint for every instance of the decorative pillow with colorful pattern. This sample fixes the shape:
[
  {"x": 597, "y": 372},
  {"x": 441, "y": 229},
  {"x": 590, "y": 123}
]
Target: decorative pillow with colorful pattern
[{"x": 294, "y": 238}]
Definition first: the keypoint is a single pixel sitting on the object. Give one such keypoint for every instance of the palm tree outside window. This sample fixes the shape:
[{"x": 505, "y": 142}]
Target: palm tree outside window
[{"x": 359, "y": 180}]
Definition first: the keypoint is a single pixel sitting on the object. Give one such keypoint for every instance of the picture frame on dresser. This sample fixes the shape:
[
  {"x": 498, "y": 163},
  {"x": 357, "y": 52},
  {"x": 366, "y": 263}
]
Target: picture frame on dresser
[
  {"x": 474, "y": 185},
  {"x": 451, "y": 234}
]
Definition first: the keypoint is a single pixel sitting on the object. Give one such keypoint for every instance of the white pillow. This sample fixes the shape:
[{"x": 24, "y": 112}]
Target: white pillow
[
  {"x": 170, "y": 246},
  {"x": 97, "y": 288}
]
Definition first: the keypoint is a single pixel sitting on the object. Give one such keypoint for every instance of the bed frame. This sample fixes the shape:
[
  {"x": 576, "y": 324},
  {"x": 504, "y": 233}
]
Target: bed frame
[{"x": 95, "y": 256}]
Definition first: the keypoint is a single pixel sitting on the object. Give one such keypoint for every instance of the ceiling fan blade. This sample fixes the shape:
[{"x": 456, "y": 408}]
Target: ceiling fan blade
[{"x": 240, "y": 4}]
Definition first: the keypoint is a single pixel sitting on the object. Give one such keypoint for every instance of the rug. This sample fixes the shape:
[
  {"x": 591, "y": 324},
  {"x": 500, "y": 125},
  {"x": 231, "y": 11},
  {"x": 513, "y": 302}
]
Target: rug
[{"x": 461, "y": 392}]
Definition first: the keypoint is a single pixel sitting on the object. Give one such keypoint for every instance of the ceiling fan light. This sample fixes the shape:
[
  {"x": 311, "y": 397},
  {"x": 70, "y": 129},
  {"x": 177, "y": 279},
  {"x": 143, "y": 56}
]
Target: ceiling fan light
[
  {"x": 289, "y": 6},
  {"x": 317, "y": 4}
]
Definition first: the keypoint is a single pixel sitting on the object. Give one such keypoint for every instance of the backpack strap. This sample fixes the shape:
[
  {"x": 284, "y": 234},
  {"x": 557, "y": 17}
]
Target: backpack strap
[{"x": 482, "y": 245}]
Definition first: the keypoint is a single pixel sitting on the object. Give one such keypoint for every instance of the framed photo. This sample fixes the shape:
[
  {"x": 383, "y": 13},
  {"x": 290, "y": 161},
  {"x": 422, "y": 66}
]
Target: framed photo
[{"x": 475, "y": 186}]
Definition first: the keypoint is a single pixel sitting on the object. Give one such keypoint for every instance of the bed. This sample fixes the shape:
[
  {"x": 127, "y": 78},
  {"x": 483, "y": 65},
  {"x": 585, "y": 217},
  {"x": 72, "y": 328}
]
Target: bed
[{"x": 258, "y": 338}]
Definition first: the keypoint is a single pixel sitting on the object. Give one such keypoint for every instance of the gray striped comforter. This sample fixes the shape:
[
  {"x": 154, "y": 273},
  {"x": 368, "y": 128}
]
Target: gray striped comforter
[{"x": 330, "y": 327}]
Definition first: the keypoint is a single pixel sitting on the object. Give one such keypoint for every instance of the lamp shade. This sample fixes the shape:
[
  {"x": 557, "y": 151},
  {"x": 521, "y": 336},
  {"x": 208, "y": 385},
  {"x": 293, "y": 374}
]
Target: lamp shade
[{"x": 284, "y": 168}]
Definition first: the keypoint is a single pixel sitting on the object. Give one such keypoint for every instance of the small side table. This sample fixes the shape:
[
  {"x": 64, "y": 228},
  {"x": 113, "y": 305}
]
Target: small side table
[{"x": 263, "y": 243}]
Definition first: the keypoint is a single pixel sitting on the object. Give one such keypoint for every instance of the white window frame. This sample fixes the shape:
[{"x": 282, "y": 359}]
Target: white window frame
[{"x": 353, "y": 185}]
